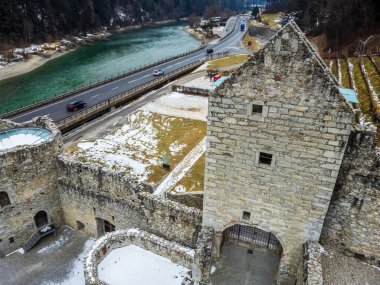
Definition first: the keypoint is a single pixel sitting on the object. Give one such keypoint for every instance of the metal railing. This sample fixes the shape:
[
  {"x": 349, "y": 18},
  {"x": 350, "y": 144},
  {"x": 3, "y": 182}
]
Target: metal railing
[
  {"x": 118, "y": 100},
  {"x": 37, "y": 235}
]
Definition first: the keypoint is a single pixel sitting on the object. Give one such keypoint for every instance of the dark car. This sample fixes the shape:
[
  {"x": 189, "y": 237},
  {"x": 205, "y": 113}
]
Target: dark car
[
  {"x": 210, "y": 50},
  {"x": 75, "y": 105}
]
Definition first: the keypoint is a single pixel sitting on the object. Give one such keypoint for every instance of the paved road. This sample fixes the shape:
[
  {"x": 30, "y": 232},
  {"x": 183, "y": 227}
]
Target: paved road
[{"x": 57, "y": 110}]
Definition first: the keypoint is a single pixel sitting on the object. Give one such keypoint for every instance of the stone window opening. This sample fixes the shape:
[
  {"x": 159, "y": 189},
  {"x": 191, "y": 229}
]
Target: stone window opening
[
  {"x": 246, "y": 216},
  {"x": 108, "y": 227},
  {"x": 357, "y": 203},
  {"x": 80, "y": 225},
  {"x": 11, "y": 240},
  {"x": 4, "y": 199},
  {"x": 257, "y": 110},
  {"x": 265, "y": 158}
]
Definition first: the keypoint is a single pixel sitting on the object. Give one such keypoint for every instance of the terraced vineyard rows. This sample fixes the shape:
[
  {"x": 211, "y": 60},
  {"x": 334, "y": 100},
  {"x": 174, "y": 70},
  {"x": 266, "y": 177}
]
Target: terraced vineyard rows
[{"x": 362, "y": 75}]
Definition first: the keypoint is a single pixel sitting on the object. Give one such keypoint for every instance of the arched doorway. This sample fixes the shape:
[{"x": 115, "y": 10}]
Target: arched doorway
[
  {"x": 41, "y": 219},
  {"x": 248, "y": 255}
]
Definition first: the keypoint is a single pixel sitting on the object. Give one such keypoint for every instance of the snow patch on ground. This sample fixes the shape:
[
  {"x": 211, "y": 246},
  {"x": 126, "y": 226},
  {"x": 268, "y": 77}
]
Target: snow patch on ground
[
  {"x": 54, "y": 245},
  {"x": 76, "y": 275},
  {"x": 350, "y": 70},
  {"x": 339, "y": 73},
  {"x": 201, "y": 82},
  {"x": 180, "y": 105},
  {"x": 132, "y": 265},
  {"x": 180, "y": 189},
  {"x": 202, "y": 67},
  {"x": 19, "y": 140}
]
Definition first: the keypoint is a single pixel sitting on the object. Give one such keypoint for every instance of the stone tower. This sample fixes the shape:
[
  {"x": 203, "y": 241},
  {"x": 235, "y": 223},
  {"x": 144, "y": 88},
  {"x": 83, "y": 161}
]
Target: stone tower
[{"x": 277, "y": 132}]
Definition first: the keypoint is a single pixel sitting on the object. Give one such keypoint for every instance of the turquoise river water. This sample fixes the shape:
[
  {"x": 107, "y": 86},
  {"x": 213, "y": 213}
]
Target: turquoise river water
[{"x": 122, "y": 52}]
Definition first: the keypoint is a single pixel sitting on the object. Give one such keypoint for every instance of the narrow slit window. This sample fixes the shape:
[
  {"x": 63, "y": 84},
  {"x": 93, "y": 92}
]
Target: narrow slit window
[
  {"x": 257, "y": 109},
  {"x": 246, "y": 215},
  {"x": 265, "y": 158}
]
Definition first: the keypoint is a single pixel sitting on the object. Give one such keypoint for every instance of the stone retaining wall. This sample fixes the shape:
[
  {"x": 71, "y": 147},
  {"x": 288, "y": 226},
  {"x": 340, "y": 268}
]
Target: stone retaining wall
[
  {"x": 310, "y": 267},
  {"x": 352, "y": 223},
  {"x": 178, "y": 254}
]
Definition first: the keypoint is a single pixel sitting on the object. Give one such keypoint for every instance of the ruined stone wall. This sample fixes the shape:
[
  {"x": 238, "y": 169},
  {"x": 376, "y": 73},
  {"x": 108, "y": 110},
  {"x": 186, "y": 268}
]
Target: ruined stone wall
[
  {"x": 310, "y": 266},
  {"x": 304, "y": 125},
  {"x": 29, "y": 175},
  {"x": 353, "y": 222},
  {"x": 178, "y": 254},
  {"x": 89, "y": 194}
]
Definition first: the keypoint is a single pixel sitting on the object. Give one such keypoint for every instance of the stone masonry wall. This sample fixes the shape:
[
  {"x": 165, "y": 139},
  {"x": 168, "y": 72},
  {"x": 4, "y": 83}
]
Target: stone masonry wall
[
  {"x": 352, "y": 223},
  {"x": 304, "y": 124},
  {"x": 109, "y": 196},
  {"x": 310, "y": 266},
  {"x": 178, "y": 254},
  {"x": 29, "y": 175}
]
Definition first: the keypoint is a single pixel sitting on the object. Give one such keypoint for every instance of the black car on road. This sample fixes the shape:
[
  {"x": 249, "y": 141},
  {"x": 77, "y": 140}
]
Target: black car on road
[
  {"x": 75, "y": 105},
  {"x": 210, "y": 50}
]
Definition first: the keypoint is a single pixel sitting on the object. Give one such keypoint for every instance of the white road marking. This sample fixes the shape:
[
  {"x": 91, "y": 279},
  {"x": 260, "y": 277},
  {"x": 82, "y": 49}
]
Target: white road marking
[
  {"x": 95, "y": 95},
  {"x": 229, "y": 41},
  {"x": 115, "y": 88}
]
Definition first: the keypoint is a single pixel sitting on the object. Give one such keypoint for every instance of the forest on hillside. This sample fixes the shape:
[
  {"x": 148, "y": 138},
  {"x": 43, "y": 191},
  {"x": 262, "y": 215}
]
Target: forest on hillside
[
  {"x": 342, "y": 21},
  {"x": 26, "y": 21}
]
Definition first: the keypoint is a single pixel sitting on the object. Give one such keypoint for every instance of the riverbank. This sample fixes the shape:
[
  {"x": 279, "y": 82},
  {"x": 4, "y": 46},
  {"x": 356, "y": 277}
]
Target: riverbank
[
  {"x": 35, "y": 61},
  {"x": 28, "y": 62}
]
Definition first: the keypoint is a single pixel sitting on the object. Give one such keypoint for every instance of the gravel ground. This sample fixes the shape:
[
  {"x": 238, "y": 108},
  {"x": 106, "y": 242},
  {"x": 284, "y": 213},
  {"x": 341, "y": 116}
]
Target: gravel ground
[{"x": 339, "y": 269}]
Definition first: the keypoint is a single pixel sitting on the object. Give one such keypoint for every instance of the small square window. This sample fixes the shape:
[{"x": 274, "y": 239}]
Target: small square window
[
  {"x": 250, "y": 251},
  {"x": 246, "y": 215},
  {"x": 257, "y": 109},
  {"x": 265, "y": 158},
  {"x": 11, "y": 240}
]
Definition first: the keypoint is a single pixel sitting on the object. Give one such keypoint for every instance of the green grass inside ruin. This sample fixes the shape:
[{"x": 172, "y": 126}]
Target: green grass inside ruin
[
  {"x": 363, "y": 96},
  {"x": 184, "y": 131},
  {"x": 154, "y": 135},
  {"x": 194, "y": 178},
  {"x": 345, "y": 73},
  {"x": 227, "y": 61},
  {"x": 372, "y": 75}
]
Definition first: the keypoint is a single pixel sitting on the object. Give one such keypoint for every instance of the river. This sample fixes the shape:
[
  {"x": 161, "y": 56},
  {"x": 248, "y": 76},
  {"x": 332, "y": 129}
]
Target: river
[{"x": 122, "y": 52}]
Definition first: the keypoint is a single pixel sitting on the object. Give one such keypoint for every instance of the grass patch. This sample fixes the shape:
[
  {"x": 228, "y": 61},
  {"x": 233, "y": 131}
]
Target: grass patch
[
  {"x": 227, "y": 61},
  {"x": 183, "y": 131},
  {"x": 270, "y": 20},
  {"x": 377, "y": 59},
  {"x": 363, "y": 96},
  {"x": 345, "y": 73},
  {"x": 373, "y": 76},
  {"x": 194, "y": 178},
  {"x": 251, "y": 43},
  {"x": 138, "y": 146}
]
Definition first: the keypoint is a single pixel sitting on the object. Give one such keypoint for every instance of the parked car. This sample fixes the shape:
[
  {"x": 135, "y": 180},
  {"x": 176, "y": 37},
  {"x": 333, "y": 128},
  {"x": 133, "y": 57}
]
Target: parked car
[
  {"x": 75, "y": 105},
  {"x": 210, "y": 50},
  {"x": 158, "y": 72}
]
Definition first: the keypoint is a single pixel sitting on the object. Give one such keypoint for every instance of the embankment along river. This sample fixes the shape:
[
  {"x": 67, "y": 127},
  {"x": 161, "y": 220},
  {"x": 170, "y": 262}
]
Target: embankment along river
[{"x": 122, "y": 52}]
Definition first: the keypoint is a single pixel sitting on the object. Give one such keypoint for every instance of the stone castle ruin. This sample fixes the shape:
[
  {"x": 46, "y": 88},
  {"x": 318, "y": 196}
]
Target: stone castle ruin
[{"x": 285, "y": 161}]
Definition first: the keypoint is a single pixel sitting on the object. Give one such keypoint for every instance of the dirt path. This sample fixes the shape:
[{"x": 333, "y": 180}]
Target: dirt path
[{"x": 182, "y": 168}]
